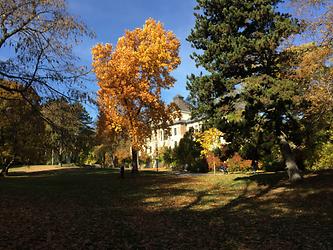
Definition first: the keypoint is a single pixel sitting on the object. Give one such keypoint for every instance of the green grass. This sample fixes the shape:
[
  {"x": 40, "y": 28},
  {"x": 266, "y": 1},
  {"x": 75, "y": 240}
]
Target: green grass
[{"x": 96, "y": 209}]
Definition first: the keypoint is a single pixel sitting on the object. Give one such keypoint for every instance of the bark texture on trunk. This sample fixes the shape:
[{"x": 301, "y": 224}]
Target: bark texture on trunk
[
  {"x": 6, "y": 167},
  {"x": 60, "y": 156},
  {"x": 135, "y": 165},
  {"x": 293, "y": 171}
]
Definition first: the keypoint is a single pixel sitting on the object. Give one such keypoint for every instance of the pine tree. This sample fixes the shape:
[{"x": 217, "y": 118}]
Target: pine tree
[{"x": 240, "y": 48}]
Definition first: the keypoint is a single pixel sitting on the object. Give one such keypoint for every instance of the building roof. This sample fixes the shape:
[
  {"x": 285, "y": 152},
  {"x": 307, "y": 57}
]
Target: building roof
[
  {"x": 187, "y": 122},
  {"x": 181, "y": 103}
]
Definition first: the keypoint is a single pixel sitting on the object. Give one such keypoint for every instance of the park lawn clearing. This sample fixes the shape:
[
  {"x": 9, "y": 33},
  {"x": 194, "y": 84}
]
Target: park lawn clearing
[
  {"x": 40, "y": 168},
  {"x": 96, "y": 209}
]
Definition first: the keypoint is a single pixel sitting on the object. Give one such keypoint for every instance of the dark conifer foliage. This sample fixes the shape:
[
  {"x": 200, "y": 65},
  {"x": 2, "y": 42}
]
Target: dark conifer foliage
[{"x": 243, "y": 92}]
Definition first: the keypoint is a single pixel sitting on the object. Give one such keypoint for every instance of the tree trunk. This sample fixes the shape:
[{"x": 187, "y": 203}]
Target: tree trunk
[
  {"x": 292, "y": 169},
  {"x": 6, "y": 167},
  {"x": 255, "y": 159},
  {"x": 115, "y": 162},
  {"x": 103, "y": 160},
  {"x": 52, "y": 157},
  {"x": 60, "y": 156},
  {"x": 254, "y": 165},
  {"x": 135, "y": 164}
]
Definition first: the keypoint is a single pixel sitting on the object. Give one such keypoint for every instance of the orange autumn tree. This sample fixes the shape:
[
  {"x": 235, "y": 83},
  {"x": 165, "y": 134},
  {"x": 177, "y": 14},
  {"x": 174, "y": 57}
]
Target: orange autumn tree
[{"x": 131, "y": 77}]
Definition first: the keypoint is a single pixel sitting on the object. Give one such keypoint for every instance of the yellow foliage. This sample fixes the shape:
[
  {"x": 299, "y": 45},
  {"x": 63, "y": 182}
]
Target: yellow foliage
[
  {"x": 312, "y": 68},
  {"x": 311, "y": 60},
  {"x": 131, "y": 77},
  {"x": 209, "y": 140}
]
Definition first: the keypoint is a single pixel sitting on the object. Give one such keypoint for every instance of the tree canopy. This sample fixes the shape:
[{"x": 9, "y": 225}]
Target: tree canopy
[
  {"x": 131, "y": 77},
  {"x": 37, "y": 37},
  {"x": 21, "y": 129},
  {"x": 240, "y": 44}
]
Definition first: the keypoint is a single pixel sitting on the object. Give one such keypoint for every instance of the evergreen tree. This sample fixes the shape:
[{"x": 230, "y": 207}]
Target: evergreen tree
[
  {"x": 244, "y": 92},
  {"x": 187, "y": 154},
  {"x": 70, "y": 136}
]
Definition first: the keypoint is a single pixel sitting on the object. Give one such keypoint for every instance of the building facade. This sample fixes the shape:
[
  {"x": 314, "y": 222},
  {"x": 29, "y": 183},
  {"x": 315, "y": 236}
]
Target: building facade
[{"x": 161, "y": 139}]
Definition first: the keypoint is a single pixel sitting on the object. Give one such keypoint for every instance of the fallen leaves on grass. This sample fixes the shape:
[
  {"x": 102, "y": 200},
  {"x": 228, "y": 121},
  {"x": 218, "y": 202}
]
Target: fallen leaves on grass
[{"x": 90, "y": 209}]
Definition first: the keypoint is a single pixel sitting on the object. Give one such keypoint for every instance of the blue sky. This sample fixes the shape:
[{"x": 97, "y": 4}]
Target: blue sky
[{"x": 110, "y": 19}]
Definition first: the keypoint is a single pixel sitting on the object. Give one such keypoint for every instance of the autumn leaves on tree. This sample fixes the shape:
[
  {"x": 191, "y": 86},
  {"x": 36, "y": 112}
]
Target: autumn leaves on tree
[
  {"x": 272, "y": 97},
  {"x": 131, "y": 77},
  {"x": 39, "y": 36}
]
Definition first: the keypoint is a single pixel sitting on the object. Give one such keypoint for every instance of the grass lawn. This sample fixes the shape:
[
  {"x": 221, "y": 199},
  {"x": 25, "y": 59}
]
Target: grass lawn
[{"x": 95, "y": 209}]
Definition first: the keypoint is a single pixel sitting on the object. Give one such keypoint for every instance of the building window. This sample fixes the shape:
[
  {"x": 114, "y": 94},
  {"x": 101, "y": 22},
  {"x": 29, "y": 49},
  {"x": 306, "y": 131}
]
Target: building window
[
  {"x": 176, "y": 143},
  {"x": 175, "y": 131},
  {"x": 161, "y": 135}
]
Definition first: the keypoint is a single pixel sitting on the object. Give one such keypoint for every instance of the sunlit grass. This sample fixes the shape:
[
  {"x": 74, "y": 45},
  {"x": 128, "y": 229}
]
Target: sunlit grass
[{"x": 155, "y": 208}]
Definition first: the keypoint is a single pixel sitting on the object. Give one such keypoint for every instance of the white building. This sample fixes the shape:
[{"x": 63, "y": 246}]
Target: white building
[{"x": 180, "y": 126}]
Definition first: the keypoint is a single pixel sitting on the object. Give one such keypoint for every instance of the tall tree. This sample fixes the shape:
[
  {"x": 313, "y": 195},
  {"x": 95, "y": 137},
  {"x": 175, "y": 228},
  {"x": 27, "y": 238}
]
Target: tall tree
[
  {"x": 21, "y": 128},
  {"x": 85, "y": 139},
  {"x": 131, "y": 78},
  {"x": 69, "y": 130},
  {"x": 309, "y": 66},
  {"x": 239, "y": 47},
  {"x": 313, "y": 61}
]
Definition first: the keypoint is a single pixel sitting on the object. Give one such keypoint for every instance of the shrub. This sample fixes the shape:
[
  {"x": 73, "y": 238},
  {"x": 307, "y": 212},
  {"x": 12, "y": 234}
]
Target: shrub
[
  {"x": 187, "y": 154},
  {"x": 272, "y": 159},
  {"x": 213, "y": 160},
  {"x": 176, "y": 167},
  {"x": 200, "y": 165},
  {"x": 91, "y": 159},
  {"x": 167, "y": 156},
  {"x": 144, "y": 158},
  {"x": 237, "y": 163},
  {"x": 325, "y": 160}
]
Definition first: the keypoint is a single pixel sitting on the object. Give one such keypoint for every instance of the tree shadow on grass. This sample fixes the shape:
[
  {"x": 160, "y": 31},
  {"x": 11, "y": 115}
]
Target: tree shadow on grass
[
  {"x": 266, "y": 179},
  {"x": 266, "y": 182},
  {"x": 98, "y": 210},
  {"x": 279, "y": 216}
]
